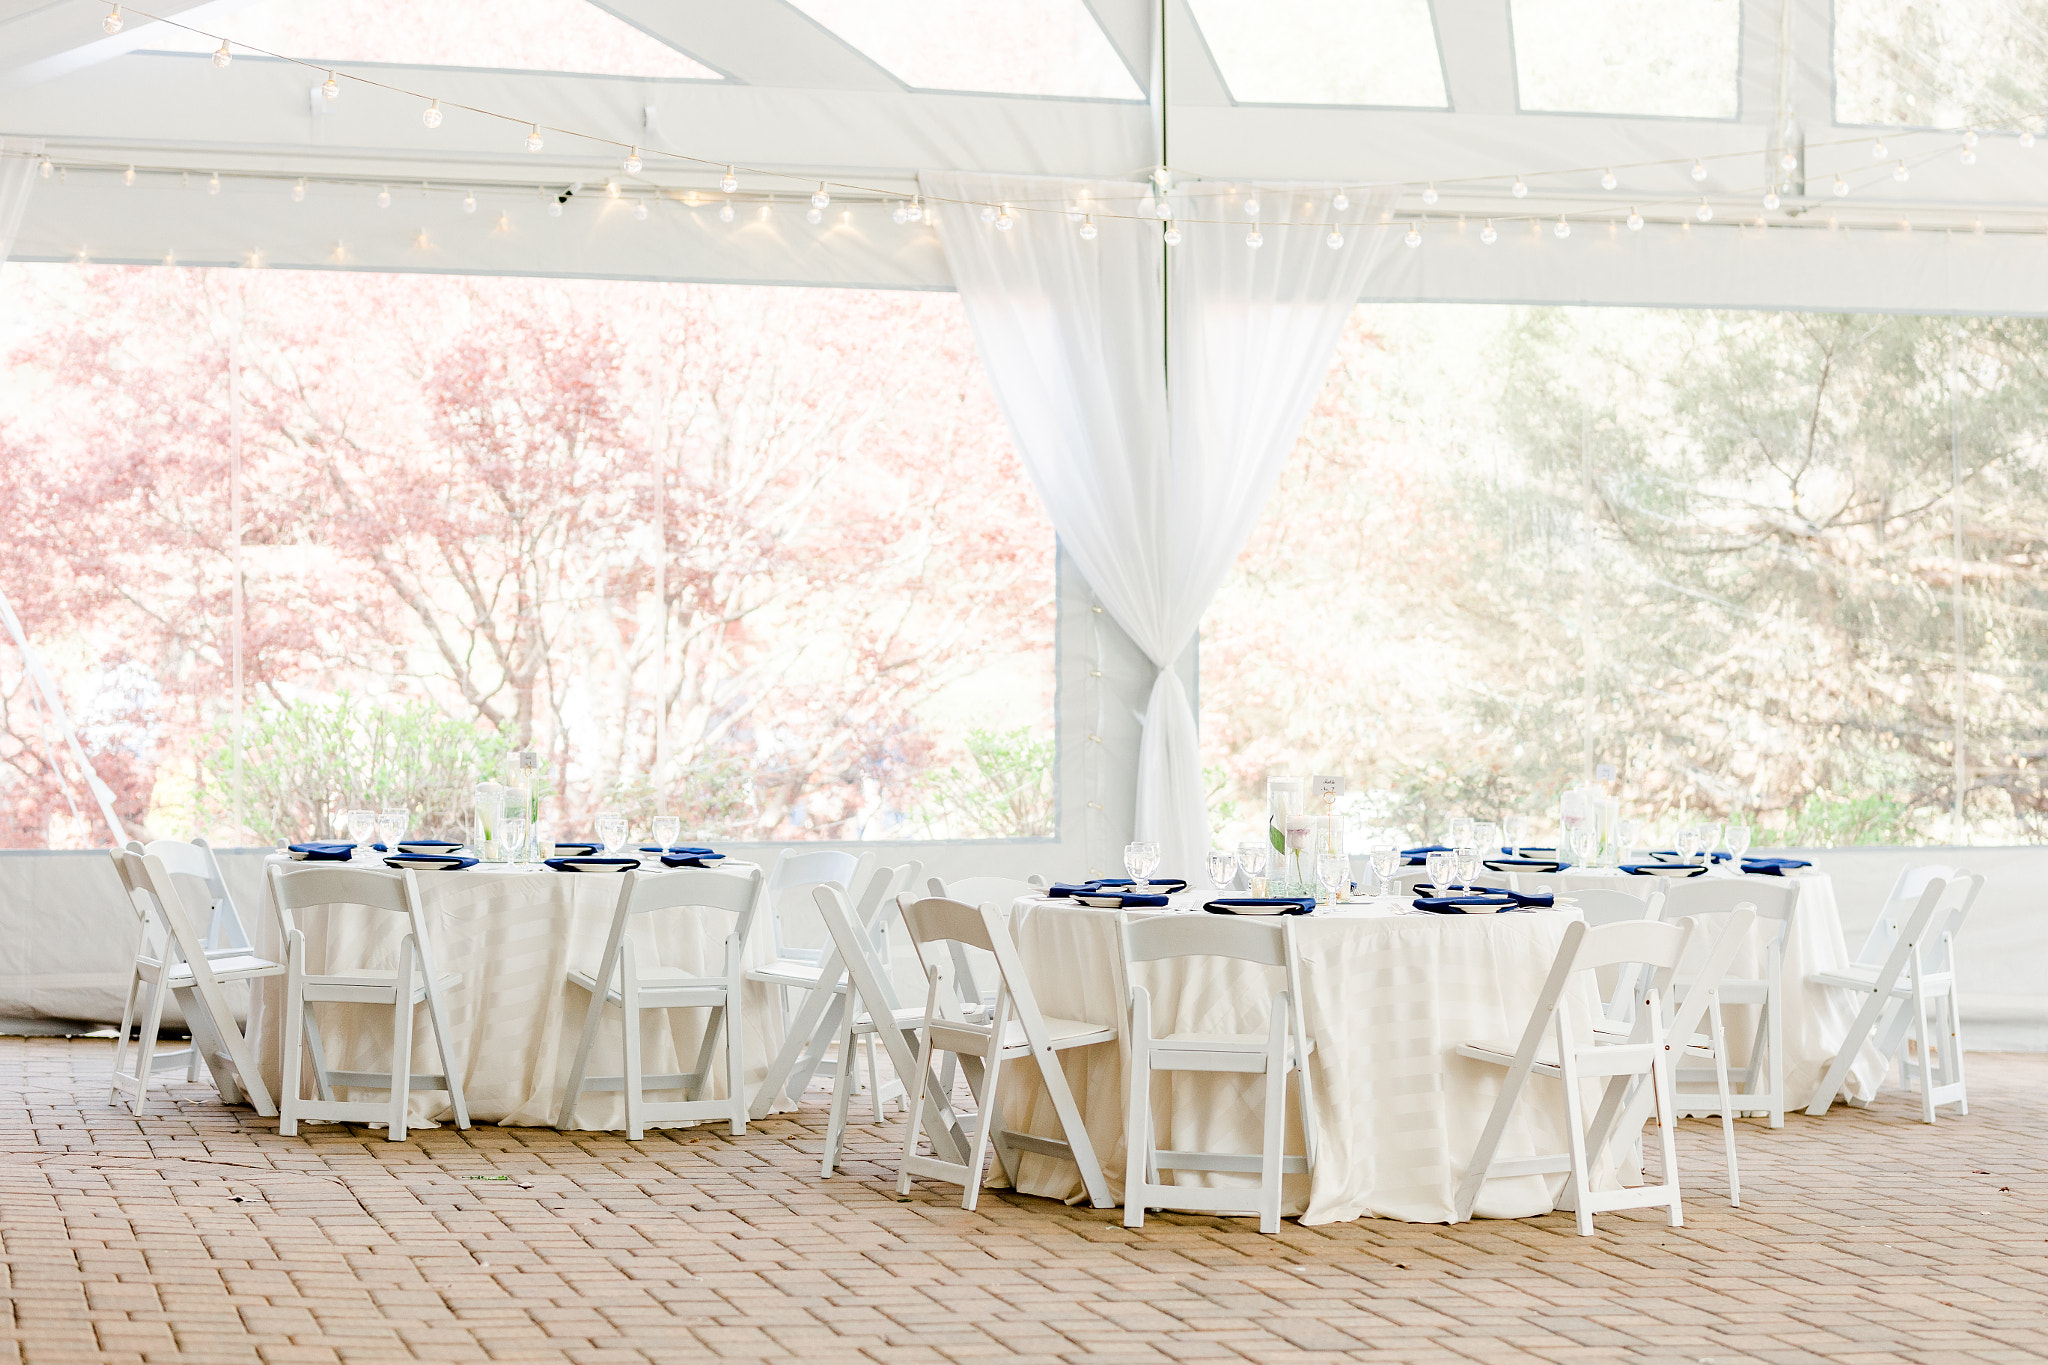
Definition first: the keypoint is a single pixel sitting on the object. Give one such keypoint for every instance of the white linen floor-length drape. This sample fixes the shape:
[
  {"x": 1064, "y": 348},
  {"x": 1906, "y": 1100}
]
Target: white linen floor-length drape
[{"x": 1154, "y": 394}]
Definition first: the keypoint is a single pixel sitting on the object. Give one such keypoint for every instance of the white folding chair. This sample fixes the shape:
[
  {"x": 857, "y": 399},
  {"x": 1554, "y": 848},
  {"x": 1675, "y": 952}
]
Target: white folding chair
[
  {"x": 817, "y": 1023},
  {"x": 1608, "y": 905},
  {"x": 790, "y": 879},
  {"x": 1759, "y": 1082},
  {"x": 170, "y": 960},
  {"x": 1917, "y": 979},
  {"x": 1013, "y": 1029},
  {"x": 1575, "y": 1052},
  {"x": 225, "y": 927},
  {"x": 631, "y": 976},
  {"x": 1283, "y": 1049},
  {"x": 402, "y": 989}
]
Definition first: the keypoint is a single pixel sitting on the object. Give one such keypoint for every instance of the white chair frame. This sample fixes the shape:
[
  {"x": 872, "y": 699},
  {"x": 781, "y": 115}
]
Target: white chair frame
[
  {"x": 1285, "y": 1049},
  {"x": 1760, "y": 1082},
  {"x": 171, "y": 961},
  {"x": 1013, "y": 1029},
  {"x": 402, "y": 989},
  {"x": 620, "y": 981}
]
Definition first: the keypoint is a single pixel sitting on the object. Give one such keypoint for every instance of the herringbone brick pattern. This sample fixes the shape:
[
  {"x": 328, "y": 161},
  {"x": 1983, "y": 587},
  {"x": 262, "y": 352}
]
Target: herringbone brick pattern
[{"x": 196, "y": 1233}]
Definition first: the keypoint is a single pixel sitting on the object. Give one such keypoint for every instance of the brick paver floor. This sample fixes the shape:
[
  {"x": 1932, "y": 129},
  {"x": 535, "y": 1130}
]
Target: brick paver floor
[{"x": 196, "y": 1233}]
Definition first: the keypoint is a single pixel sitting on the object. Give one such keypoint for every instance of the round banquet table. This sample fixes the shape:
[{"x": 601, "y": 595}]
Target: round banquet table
[
  {"x": 1387, "y": 997},
  {"x": 511, "y": 935}
]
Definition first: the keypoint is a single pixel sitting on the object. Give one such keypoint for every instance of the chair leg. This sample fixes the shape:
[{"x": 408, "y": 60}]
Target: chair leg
[
  {"x": 867, "y": 1047},
  {"x": 985, "y": 1124},
  {"x": 1952, "y": 1019},
  {"x": 736, "y": 1061},
  {"x": 1575, "y": 1122},
  {"x": 401, "y": 1042},
  {"x": 914, "y": 1120},
  {"x": 121, "y": 1039},
  {"x": 444, "y": 1048},
  {"x": 322, "y": 1086},
  {"x": 1138, "y": 1124},
  {"x": 145, "y": 1043},
  {"x": 1667, "y": 1134},
  {"x": 288, "y": 1100},
  {"x": 1776, "y": 1043},
  {"x": 636, "y": 1099},
  {"x": 843, "y": 1081},
  {"x": 593, "y": 1019},
  {"x": 1275, "y": 1142},
  {"x": 1719, "y": 1039}
]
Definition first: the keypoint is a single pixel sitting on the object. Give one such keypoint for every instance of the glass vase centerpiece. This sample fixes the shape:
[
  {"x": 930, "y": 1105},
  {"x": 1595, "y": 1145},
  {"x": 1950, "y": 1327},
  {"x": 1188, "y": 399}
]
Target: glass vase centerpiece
[
  {"x": 525, "y": 789},
  {"x": 1287, "y": 832},
  {"x": 490, "y": 813}
]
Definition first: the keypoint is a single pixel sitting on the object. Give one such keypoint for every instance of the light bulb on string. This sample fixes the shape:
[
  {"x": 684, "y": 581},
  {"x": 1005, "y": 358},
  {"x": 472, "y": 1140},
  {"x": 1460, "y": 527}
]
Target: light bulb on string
[
  {"x": 1607, "y": 180},
  {"x": 640, "y": 210},
  {"x": 469, "y": 202},
  {"x": 112, "y": 23},
  {"x": 1877, "y": 150},
  {"x": 632, "y": 162},
  {"x": 330, "y": 89},
  {"x": 1488, "y": 234},
  {"x": 128, "y": 176},
  {"x": 900, "y": 214},
  {"x": 47, "y": 168},
  {"x": 1899, "y": 172},
  {"x": 1969, "y": 157},
  {"x": 988, "y": 213},
  {"x": 1429, "y": 194},
  {"x": 1340, "y": 201},
  {"x": 1004, "y": 222},
  {"x": 1969, "y": 137},
  {"x": 1841, "y": 187},
  {"x": 533, "y": 138},
  {"x": 819, "y": 198},
  {"x": 1414, "y": 237},
  {"x": 1771, "y": 199},
  {"x": 725, "y": 212},
  {"x": 1088, "y": 228},
  {"x": 917, "y": 210},
  {"x": 554, "y": 207},
  {"x": 1163, "y": 207},
  {"x": 814, "y": 215},
  {"x": 431, "y": 115},
  {"x": 2026, "y": 137},
  {"x": 384, "y": 197},
  {"x": 1699, "y": 170},
  {"x": 1171, "y": 236},
  {"x": 1563, "y": 229},
  {"x": 1705, "y": 212},
  {"x": 1251, "y": 208},
  {"x": 1788, "y": 160},
  {"x": 1075, "y": 213},
  {"x": 221, "y": 56},
  {"x": 213, "y": 183},
  {"x": 1334, "y": 240},
  {"x": 1520, "y": 190},
  {"x": 1635, "y": 221},
  {"x": 728, "y": 182},
  {"x": 1254, "y": 239},
  {"x": 299, "y": 191}
]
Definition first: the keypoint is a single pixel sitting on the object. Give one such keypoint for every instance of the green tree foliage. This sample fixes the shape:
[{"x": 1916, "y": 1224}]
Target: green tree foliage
[{"x": 1003, "y": 791}]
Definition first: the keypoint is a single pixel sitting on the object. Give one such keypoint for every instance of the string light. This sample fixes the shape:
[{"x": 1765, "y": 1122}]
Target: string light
[
  {"x": 431, "y": 115},
  {"x": 1705, "y": 212},
  {"x": 1969, "y": 155},
  {"x": 330, "y": 89},
  {"x": 469, "y": 202},
  {"x": 1841, "y": 187},
  {"x": 48, "y": 168},
  {"x": 554, "y": 207},
  {"x": 1163, "y": 207},
  {"x": 1520, "y": 190},
  {"x": 1699, "y": 170},
  {"x": 1171, "y": 236},
  {"x": 1899, "y": 172},
  {"x": 1414, "y": 237},
  {"x": 640, "y": 210},
  {"x": 504, "y": 221},
  {"x": 533, "y": 140},
  {"x": 221, "y": 56},
  {"x": 384, "y": 197},
  {"x": 632, "y": 162},
  {"x": 988, "y": 213},
  {"x": 1254, "y": 239},
  {"x": 112, "y": 23},
  {"x": 1429, "y": 194},
  {"x": 728, "y": 182},
  {"x": 1563, "y": 229},
  {"x": 725, "y": 212},
  {"x": 128, "y": 176},
  {"x": 901, "y": 214},
  {"x": 1088, "y": 228},
  {"x": 1787, "y": 161},
  {"x": 1607, "y": 180},
  {"x": 213, "y": 183},
  {"x": 1877, "y": 150},
  {"x": 819, "y": 199},
  {"x": 1075, "y": 212},
  {"x": 815, "y": 215},
  {"x": 763, "y": 214},
  {"x": 1004, "y": 222},
  {"x": 2026, "y": 137},
  {"x": 1487, "y": 233},
  {"x": 917, "y": 210},
  {"x": 1771, "y": 199},
  {"x": 1334, "y": 240},
  {"x": 1635, "y": 221},
  {"x": 1969, "y": 137},
  {"x": 1251, "y": 207},
  {"x": 1340, "y": 201},
  {"x": 299, "y": 191}
]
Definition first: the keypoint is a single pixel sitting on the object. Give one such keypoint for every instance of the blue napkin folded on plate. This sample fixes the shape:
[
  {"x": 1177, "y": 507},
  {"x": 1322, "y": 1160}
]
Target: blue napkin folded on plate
[
  {"x": 1261, "y": 905},
  {"x": 593, "y": 864},
  {"x": 688, "y": 857},
  {"x": 322, "y": 853},
  {"x": 577, "y": 848},
  {"x": 1674, "y": 870},
  {"x": 427, "y": 845},
  {"x": 1419, "y": 856},
  {"x": 681, "y": 850},
  {"x": 1772, "y": 867},
  {"x": 1524, "y": 865},
  {"x": 1499, "y": 898},
  {"x": 429, "y": 862},
  {"x": 1169, "y": 885},
  {"x": 1112, "y": 899}
]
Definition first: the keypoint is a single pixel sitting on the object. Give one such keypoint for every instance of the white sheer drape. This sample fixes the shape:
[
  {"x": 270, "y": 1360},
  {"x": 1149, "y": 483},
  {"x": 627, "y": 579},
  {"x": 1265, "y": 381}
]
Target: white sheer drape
[
  {"x": 18, "y": 158},
  {"x": 1153, "y": 393}
]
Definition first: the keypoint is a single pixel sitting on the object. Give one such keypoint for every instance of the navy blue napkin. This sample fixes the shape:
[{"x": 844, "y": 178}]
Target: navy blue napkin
[
  {"x": 1523, "y": 865},
  {"x": 576, "y": 848},
  {"x": 1502, "y": 898},
  {"x": 688, "y": 857},
  {"x": 1772, "y": 867},
  {"x": 1106, "y": 885},
  {"x": 1663, "y": 869},
  {"x": 1125, "y": 900},
  {"x": 429, "y": 862},
  {"x": 322, "y": 853},
  {"x": 593, "y": 864},
  {"x": 1261, "y": 905},
  {"x": 1419, "y": 856},
  {"x": 426, "y": 845}
]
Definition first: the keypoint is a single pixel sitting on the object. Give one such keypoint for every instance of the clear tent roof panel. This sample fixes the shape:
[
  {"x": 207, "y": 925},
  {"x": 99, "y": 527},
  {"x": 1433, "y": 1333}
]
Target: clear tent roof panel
[
  {"x": 1940, "y": 63},
  {"x": 1674, "y": 59},
  {"x": 1044, "y": 47},
  {"x": 1367, "y": 52},
  {"x": 516, "y": 35}
]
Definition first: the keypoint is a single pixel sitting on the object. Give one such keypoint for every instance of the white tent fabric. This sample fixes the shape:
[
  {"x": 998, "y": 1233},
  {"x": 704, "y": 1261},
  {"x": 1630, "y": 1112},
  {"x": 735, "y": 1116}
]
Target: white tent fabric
[
  {"x": 1153, "y": 401},
  {"x": 17, "y": 179}
]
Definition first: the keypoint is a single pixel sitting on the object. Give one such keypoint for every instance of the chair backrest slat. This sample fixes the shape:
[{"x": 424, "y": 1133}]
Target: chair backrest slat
[
  {"x": 1611, "y": 905},
  {"x": 1156, "y": 937}
]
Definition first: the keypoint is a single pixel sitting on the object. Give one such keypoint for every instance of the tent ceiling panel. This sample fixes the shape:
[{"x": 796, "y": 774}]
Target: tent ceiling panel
[
  {"x": 1675, "y": 59},
  {"x": 1368, "y": 52},
  {"x": 41, "y": 40},
  {"x": 509, "y": 233},
  {"x": 760, "y": 42},
  {"x": 1048, "y": 47}
]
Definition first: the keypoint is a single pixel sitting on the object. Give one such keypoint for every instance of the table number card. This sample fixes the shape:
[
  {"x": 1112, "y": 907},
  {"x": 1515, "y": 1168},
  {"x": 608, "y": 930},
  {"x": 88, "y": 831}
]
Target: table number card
[{"x": 1326, "y": 787}]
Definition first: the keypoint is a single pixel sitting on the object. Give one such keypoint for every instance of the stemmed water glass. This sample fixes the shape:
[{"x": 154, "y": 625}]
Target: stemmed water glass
[
  {"x": 1333, "y": 876},
  {"x": 1625, "y": 833},
  {"x": 1579, "y": 840},
  {"x": 1251, "y": 859},
  {"x": 1140, "y": 858},
  {"x": 1688, "y": 841},
  {"x": 611, "y": 831},
  {"x": 1737, "y": 837},
  {"x": 1222, "y": 868},
  {"x": 1461, "y": 830},
  {"x": 1468, "y": 868},
  {"x": 1516, "y": 828},
  {"x": 512, "y": 830},
  {"x": 667, "y": 829},
  {"x": 1386, "y": 861},
  {"x": 391, "y": 825},
  {"x": 1710, "y": 835},
  {"x": 1487, "y": 836},
  {"x": 361, "y": 825},
  {"x": 1439, "y": 865}
]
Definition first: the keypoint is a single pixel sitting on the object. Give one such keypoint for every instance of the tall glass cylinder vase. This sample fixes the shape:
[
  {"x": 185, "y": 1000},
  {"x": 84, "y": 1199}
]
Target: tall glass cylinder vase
[
  {"x": 490, "y": 809},
  {"x": 1283, "y": 809}
]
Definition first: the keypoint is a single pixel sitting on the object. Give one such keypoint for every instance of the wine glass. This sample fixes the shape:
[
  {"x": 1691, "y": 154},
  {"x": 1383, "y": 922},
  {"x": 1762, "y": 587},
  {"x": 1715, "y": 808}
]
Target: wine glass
[
  {"x": 1487, "y": 836},
  {"x": 1516, "y": 827},
  {"x": 1222, "y": 867},
  {"x": 1580, "y": 839},
  {"x": 1625, "y": 834},
  {"x": 1386, "y": 861},
  {"x": 391, "y": 825},
  {"x": 1333, "y": 876},
  {"x": 1439, "y": 865},
  {"x": 512, "y": 828},
  {"x": 1468, "y": 867},
  {"x": 611, "y": 831},
  {"x": 1251, "y": 860},
  {"x": 361, "y": 825},
  {"x": 1737, "y": 837},
  {"x": 667, "y": 829},
  {"x": 1710, "y": 835},
  {"x": 1687, "y": 843},
  {"x": 1461, "y": 831},
  {"x": 1140, "y": 858}
]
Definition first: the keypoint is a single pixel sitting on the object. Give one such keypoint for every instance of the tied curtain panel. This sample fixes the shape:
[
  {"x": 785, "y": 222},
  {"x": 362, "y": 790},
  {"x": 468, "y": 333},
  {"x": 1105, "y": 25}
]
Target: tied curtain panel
[{"x": 1154, "y": 393}]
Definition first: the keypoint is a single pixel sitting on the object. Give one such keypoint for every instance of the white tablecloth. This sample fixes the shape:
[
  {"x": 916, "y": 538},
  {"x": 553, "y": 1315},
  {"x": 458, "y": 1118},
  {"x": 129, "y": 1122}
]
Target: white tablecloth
[
  {"x": 512, "y": 936},
  {"x": 1386, "y": 998}
]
